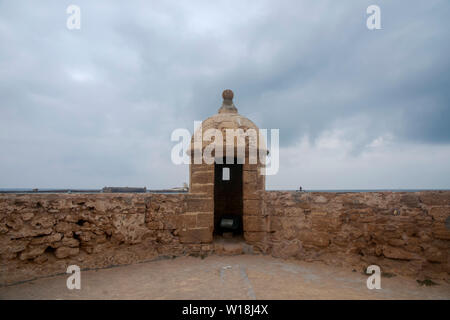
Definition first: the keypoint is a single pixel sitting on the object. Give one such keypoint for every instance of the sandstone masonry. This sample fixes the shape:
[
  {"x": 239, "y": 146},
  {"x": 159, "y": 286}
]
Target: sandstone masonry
[{"x": 403, "y": 233}]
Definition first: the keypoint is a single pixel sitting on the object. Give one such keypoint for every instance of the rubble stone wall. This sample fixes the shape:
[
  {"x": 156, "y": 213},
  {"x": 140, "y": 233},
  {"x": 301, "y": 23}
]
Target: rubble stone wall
[
  {"x": 42, "y": 234},
  {"x": 403, "y": 233}
]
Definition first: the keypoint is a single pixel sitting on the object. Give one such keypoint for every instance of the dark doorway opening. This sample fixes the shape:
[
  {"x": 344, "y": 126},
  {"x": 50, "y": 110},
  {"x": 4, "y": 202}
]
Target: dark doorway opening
[{"x": 228, "y": 199}]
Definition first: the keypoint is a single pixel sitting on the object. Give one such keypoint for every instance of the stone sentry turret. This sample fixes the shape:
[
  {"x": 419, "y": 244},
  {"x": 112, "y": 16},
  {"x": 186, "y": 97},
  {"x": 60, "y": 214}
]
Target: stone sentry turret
[{"x": 228, "y": 189}]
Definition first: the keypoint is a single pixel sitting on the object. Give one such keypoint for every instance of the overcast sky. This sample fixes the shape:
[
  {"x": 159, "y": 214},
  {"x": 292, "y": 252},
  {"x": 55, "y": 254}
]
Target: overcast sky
[{"x": 96, "y": 107}]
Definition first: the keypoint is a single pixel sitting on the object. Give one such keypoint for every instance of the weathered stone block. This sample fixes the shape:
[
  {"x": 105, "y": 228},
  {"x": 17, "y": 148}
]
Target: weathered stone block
[
  {"x": 250, "y": 177},
  {"x": 318, "y": 213},
  {"x": 172, "y": 222},
  {"x": 396, "y": 242},
  {"x": 319, "y": 239},
  {"x": 46, "y": 239},
  {"x": 129, "y": 227},
  {"x": 398, "y": 253},
  {"x": 255, "y": 223},
  {"x": 255, "y": 236},
  {"x": 202, "y": 177},
  {"x": 64, "y": 252},
  {"x": 189, "y": 220},
  {"x": 13, "y": 246},
  {"x": 275, "y": 224},
  {"x": 196, "y": 235},
  {"x": 252, "y": 207},
  {"x": 435, "y": 255},
  {"x": 320, "y": 199},
  {"x": 410, "y": 200},
  {"x": 441, "y": 232},
  {"x": 275, "y": 210},
  {"x": 205, "y": 220},
  {"x": 200, "y": 205},
  {"x": 203, "y": 188},
  {"x": 70, "y": 242},
  {"x": 26, "y": 216},
  {"x": 440, "y": 213},
  {"x": 27, "y": 231},
  {"x": 66, "y": 227},
  {"x": 42, "y": 222},
  {"x": 250, "y": 167},
  {"x": 250, "y": 192},
  {"x": 32, "y": 252},
  {"x": 155, "y": 225},
  {"x": 286, "y": 249},
  {"x": 14, "y": 222},
  {"x": 435, "y": 198}
]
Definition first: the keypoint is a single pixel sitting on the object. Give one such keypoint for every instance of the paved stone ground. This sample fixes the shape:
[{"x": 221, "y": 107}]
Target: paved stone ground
[{"x": 224, "y": 277}]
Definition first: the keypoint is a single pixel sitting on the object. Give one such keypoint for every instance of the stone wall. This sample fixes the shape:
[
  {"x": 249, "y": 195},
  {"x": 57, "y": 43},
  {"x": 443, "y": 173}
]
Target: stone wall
[
  {"x": 42, "y": 234},
  {"x": 403, "y": 233}
]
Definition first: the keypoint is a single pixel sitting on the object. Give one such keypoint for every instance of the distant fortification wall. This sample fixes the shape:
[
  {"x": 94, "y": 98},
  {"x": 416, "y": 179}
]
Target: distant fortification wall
[{"x": 403, "y": 233}]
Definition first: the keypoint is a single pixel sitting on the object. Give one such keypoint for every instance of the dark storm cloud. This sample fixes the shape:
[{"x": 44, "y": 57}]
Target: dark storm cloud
[{"x": 97, "y": 106}]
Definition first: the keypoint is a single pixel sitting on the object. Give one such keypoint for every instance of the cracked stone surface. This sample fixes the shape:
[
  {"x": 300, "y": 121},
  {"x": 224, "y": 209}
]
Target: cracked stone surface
[{"x": 224, "y": 277}]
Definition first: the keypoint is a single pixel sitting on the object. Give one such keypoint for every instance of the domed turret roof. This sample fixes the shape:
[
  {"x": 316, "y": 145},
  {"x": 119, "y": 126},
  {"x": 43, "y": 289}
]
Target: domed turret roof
[{"x": 226, "y": 118}]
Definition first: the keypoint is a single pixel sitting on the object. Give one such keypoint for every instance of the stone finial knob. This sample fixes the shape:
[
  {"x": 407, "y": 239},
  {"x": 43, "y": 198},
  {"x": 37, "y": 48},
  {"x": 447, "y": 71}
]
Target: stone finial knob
[
  {"x": 227, "y": 104},
  {"x": 227, "y": 94}
]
